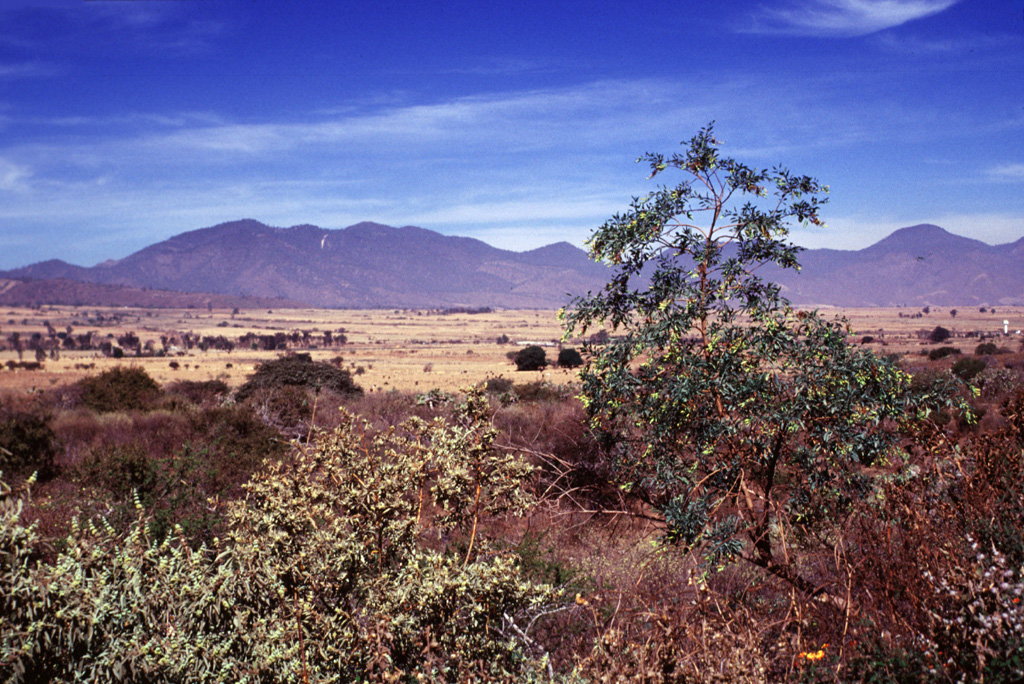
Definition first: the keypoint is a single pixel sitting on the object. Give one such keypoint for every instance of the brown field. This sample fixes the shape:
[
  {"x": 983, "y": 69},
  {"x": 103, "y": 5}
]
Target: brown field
[{"x": 400, "y": 350}]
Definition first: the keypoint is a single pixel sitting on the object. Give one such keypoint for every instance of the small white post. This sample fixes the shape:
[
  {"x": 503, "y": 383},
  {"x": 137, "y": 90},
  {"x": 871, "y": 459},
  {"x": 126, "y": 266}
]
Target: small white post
[{"x": 1006, "y": 327}]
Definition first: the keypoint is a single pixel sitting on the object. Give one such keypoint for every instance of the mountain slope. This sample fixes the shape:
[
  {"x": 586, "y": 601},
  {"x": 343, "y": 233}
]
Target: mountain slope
[
  {"x": 916, "y": 266},
  {"x": 372, "y": 265},
  {"x": 365, "y": 265}
]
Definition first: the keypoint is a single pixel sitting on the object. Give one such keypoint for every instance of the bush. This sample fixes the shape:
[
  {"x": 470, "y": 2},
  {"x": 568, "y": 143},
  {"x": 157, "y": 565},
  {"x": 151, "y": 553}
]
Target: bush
[
  {"x": 569, "y": 358},
  {"x": 967, "y": 368},
  {"x": 299, "y": 370},
  {"x": 200, "y": 392},
  {"x": 326, "y": 546},
  {"x": 939, "y": 334},
  {"x": 498, "y": 385},
  {"x": 27, "y": 443},
  {"x": 531, "y": 358},
  {"x": 942, "y": 352},
  {"x": 120, "y": 389},
  {"x": 986, "y": 349}
]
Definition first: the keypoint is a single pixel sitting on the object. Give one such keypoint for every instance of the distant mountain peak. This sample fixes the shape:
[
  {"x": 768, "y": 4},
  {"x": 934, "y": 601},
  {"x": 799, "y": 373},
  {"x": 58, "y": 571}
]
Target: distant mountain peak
[
  {"x": 922, "y": 237},
  {"x": 371, "y": 265}
]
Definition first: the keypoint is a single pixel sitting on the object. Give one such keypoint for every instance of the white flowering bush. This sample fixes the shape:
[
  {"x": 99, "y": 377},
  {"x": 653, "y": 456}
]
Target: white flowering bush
[
  {"x": 324, "y": 575},
  {"x": 977, "y": 620}
]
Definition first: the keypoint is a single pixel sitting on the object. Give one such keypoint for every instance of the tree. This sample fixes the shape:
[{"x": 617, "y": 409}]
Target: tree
[
  {"x": 939, "y": 334},
  {"x": 712, "y": 391},
  {"x": 298, "y": 370},
  {"x": 569, "y": 358},
  {"x": 531, "y": 358}
]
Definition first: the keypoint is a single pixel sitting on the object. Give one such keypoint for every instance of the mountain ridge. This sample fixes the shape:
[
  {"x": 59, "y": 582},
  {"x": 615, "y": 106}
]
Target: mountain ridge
[{"x": 372, "y": 265}]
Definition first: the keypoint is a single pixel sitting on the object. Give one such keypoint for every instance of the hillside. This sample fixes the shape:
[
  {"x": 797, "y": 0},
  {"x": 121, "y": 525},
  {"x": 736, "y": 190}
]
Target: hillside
[
  {"x": 365, "y": 265},
  {"x": 370, "y": 265}
]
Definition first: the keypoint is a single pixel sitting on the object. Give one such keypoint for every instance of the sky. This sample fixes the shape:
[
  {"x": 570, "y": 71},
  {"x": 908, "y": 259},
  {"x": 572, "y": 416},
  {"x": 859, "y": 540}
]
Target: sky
[{"x": 124, "y": 122}]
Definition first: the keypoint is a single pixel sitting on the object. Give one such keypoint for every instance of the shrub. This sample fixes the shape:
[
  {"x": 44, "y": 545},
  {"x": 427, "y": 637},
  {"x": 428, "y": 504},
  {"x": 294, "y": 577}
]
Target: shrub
[
  {"x": 299, "y": 370},
  {"x": 202, "y": 392},
  {"x": 942, "y": 352},
  {"x": 968, "y": 367},
  {"x": 498, "y": 385},
  {"x": 569, "y": 358},
  {"x": 27, "y": 442},
  {"x": 531, "y": 358},
  {"x": 120, "y": 389},
  {"x": 986, "y": 349},
  {"x": 325, "y": 546},
  {"x": 939, "y": 334}
]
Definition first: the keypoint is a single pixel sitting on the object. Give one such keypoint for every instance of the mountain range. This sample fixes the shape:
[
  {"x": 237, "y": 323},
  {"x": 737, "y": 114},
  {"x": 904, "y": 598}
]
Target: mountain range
[{"x": 370, "y": 265}]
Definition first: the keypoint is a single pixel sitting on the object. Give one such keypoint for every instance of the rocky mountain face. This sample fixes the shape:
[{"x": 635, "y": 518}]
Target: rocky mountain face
[{"x": 370, "y": 265}]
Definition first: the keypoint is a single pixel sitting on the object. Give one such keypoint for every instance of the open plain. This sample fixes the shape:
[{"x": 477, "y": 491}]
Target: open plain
[{"x": 404, "y": 350}]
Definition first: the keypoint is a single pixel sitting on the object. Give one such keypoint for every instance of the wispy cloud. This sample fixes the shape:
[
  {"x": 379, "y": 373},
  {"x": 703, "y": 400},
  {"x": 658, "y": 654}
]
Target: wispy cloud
[
  {"x": 518, "y": 169},
  {"x": 1007, "y": 172},
  {"x": 13, "y": 176},
  {"x": 843, "y": 17},
  {"x": 27, "y": 70}
]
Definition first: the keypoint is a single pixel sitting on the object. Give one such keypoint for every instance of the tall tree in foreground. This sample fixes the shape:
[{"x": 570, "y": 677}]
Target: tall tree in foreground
[{"x": 747, "y": 425}]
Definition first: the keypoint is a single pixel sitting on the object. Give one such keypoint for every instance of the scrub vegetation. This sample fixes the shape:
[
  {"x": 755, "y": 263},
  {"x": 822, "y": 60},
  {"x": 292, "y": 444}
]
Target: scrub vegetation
[{"x": 729, "y": 490}]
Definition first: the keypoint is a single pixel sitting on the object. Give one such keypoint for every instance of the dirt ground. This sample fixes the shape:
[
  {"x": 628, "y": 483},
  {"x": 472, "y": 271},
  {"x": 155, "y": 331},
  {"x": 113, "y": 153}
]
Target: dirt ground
[{"x": 402, "y": 350}]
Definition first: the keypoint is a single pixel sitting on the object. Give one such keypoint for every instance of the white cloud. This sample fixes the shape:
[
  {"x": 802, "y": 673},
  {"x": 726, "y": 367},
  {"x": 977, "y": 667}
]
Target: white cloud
[
  {"x": 12, "y": 176},
  {"x": 844, "y": 17},
  {"x": 27, "y": 70},
  {"x": 1006, "y": 172}
]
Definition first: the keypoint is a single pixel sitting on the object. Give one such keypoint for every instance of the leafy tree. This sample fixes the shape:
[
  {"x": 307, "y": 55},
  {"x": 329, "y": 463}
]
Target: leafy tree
[
  {"x": 531, "y": 358},
  {"x": 939, "y": 334},
  {"x": 712, "y": 391},
  {"x": 120, "y": 389},
  {"x": 569, "y": 358},
  {"x": 298, "y": 370}
]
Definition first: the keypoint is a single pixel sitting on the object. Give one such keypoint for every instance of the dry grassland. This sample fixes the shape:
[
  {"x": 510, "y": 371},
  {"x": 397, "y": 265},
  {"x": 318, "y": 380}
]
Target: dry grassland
[
  {"x": 402, "y": 350},
  {"x": 399, "y": 350}
]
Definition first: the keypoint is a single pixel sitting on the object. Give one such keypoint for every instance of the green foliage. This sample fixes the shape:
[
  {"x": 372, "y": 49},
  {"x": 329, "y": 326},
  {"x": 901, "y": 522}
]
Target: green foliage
[
  {"x": 745, "y": 423},
  {"x": 531, "y": 358},
  {"x": 942, "y": 352},
  {"x": 968, "y": 367},
  {"x": 298, "y": 370},
  {"x": 569, "y": 357},
  {"x": 120, "y": 389},
  {"x": 200, "y": 392},
  {"x": 27, "y": 442},
  {"x": 939, "y": 334},
  {"x": 322, "y": 575},
  {"x": 986, "y": 349}
]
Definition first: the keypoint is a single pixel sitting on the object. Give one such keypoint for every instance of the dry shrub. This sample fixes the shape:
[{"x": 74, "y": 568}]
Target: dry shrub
[
  {"x": 27, "y": 442},
  {"x": 120, "y": 389},
  {"x": 200, "y": 393}
]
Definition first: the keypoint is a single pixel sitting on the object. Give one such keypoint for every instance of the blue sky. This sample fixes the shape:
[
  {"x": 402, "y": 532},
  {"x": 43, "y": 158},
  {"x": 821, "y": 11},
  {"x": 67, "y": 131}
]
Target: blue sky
[{"x": 125, "y": 122}]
